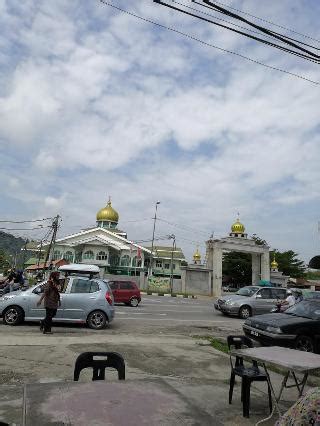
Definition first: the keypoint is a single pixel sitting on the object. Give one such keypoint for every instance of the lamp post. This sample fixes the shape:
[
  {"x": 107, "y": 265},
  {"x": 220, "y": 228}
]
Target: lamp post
[
  {"x": 173, "y": 238},
  {"x": 154, "y": 228}
]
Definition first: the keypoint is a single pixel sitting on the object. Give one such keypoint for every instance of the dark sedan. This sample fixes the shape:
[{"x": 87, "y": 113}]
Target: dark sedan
[{"x": 298, "y": 327}]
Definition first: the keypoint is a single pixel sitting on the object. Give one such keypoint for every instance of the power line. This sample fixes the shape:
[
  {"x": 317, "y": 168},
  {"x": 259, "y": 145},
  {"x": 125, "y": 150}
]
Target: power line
[
  {"x": 268, "y": 22},
  {"x": 307, "y": 55},
  {"x": 26, "y": 221},
  {"x": 24, "y": 229},
  {"x": 217, "y": 18},
  {"x": 209, "y": 44},
  {"x": 225, "y": 12},
  {"x": 187, "y": 228},
  {"x": 285, "y": 39}
]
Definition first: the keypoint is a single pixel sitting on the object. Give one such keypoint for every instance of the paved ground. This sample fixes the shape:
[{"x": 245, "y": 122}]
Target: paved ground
[{"x": 160, "y": 338}]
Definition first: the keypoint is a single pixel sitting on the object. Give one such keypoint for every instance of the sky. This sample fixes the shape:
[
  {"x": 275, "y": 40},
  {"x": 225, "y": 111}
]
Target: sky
[{"x": 95, "y": 102}]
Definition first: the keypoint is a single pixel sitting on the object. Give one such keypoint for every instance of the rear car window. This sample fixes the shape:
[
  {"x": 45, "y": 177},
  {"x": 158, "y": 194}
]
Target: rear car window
[
  {"x": 126, "y": 285},
  {"x": 80, "y": 285},
  {"x": 113, "y": 285}
]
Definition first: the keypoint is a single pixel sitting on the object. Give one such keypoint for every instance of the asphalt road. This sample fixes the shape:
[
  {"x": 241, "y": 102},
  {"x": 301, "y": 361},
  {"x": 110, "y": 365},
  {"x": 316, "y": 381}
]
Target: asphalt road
[{"x": 154, "y": 313}]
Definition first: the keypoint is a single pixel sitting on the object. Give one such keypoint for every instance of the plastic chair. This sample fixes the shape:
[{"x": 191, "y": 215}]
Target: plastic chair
[
  {"x": 247, "y": 374},
  {"x": 112, "y": 360}
]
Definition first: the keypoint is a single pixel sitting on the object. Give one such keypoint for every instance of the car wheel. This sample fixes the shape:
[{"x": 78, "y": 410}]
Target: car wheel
[
  {"x": 304, "y": 343},
  {"x": 13, "y": 315},
  {"x": 97, "y": 320},
  {"x": 134, "y": 302},
  {"x": 245, "y": 312}
]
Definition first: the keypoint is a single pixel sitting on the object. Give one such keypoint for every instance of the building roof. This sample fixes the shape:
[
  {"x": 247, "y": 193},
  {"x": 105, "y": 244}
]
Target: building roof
[
  {"x": 101, "y": 236},
  {"x": 165, "y": 252},
  {"x": 42, "y": 266}
]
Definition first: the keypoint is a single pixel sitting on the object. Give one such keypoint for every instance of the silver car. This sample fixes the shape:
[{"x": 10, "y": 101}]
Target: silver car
[
  {"x": 83, "y": 301},
  {"x": 251, "y": 300}
]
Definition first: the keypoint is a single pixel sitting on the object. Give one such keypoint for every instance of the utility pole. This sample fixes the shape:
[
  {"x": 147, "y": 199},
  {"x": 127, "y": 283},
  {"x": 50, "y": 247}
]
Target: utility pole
[
  {"x": 173, "y": 238},
  {"x": 40, "y": 252},
  {"x": 55, "y": 224},
  {"x": 154, "y": 227}
]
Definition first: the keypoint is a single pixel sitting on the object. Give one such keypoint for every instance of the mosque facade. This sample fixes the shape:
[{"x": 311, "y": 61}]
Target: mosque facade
[{"x": 109, "y": 248}]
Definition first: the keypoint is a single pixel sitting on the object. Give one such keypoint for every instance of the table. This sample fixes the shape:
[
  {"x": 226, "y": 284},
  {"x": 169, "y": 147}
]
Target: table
[
  {"x": 291, "y": 360},
  {"x": 147, "y": 402}
]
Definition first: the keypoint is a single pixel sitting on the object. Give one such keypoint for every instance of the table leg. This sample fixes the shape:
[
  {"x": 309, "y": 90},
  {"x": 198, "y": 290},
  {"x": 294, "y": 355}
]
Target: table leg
[
  {"x": 275, "y": 405},
  {"x": 302, "y": 383}
]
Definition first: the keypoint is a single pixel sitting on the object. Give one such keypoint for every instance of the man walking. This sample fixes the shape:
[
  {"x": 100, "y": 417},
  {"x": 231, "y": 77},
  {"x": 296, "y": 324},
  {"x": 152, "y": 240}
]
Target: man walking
[{"x": 52, "y": 301}]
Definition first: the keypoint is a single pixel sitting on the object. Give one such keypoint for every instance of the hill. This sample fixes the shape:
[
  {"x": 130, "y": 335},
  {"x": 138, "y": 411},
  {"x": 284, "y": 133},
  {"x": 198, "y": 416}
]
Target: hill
[{"x": 10, "y": 244}]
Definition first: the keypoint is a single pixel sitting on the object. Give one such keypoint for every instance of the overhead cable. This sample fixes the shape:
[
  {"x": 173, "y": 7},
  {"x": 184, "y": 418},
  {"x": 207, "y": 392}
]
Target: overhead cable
[
  {"x": 264, "y": 30},
  {"x": 240, "y": 26},
  {"x": 313, "y": 58},
  {"x": 265, "y": 20},
  {"x": 211, "y": 45},
  {"x": 25, "y": 221}
]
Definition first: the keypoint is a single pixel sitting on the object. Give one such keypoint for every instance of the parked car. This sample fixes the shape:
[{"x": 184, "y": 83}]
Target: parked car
[
  {"x": 126, "y": 292},
  {"x": 298, "y": 327},
  {"x": 83, "y": 300},
  {"x": 250, "y": 300}
]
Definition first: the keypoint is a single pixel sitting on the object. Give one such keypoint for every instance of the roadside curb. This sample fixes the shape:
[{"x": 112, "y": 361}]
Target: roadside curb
[{"x": 182, "y": 296}]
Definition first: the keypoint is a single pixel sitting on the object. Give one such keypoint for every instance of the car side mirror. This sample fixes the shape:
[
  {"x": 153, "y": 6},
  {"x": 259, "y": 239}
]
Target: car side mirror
[
  {"x": 258, "y": 296},
  {"x": 37, "y": 290}
]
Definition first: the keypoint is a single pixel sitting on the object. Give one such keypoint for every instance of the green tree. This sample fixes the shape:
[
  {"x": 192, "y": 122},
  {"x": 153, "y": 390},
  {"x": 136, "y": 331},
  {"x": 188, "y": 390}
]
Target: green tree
[
  {"x": 237, "y": 266},
  {"x": 4, "y": 261},
  {"x": 289, "y": 263}
]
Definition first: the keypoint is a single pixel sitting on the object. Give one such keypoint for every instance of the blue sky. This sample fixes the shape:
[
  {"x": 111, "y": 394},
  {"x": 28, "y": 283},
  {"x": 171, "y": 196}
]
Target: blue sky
[{"x": 94, "y": 102}]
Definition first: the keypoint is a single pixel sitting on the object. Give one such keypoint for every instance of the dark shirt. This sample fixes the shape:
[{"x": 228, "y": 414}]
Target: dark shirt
[{"x": 51, "y": 297}]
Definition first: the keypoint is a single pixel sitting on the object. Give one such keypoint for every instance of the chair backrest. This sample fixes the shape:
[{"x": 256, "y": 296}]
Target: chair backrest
[
  {"x": 106, "y": 359},
  {"x": 238, "y": 342}
]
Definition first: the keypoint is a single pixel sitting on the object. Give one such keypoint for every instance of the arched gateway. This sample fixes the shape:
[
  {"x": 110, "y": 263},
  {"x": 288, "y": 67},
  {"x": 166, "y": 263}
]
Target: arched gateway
[{"x": 237, "y": 241}]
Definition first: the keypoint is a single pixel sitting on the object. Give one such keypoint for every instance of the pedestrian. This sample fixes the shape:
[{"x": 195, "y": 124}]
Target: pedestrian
[{"x": 52, "y": 301}]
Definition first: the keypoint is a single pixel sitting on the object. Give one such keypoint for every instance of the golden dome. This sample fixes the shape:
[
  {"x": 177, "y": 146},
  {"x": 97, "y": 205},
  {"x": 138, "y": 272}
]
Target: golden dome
[
  {"x": 108, "y": 213},
  {"x": 197, "y": 255},
  {"x": 238, "y": 227},
  {"x": 274, "y": 263}
]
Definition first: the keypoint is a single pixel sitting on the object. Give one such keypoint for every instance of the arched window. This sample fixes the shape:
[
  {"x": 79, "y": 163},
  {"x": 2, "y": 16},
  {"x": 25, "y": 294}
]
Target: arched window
[
  {"x": 68, "y": 256},
  {"x": 114, "y": 260},
  {"x": 56, "y": 255},
  {"x": 88, "y": 255},
  {"x": 136, "y": 262},
  {"x": 102, "y": 255},
  {"x": 125, "y": 260}
]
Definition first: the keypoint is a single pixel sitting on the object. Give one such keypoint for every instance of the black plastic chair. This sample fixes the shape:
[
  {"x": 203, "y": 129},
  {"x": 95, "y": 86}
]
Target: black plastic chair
[
  {"x": 112, "y": 360},
  {"x": 247, "y": 374}
]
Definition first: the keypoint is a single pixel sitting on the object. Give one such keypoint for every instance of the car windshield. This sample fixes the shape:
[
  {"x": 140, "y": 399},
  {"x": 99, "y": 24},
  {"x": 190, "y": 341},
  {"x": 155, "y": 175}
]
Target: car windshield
[
  {"x": 246, "y": 291},
  {"x": 305, "y": 309}
]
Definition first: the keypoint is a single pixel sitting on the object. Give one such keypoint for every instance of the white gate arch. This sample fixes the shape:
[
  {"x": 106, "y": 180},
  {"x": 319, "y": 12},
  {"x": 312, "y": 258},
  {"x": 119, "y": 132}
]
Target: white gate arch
[{"x": 237, "y": 241}]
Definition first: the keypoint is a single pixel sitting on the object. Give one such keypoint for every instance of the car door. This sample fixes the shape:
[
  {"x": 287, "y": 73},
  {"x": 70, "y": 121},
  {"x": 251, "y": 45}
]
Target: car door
[
  {"x": 125, "y": 291},
  {"x": 39, "y": 312},
  {"x": 264, "y": 301},
  {"x": 80, "y": 298},
  {"x": 114, "y": 285}
]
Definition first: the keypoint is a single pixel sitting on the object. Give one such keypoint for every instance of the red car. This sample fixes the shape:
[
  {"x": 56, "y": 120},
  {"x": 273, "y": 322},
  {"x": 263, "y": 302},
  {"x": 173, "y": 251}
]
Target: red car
[{"x": 126, "y": 292}]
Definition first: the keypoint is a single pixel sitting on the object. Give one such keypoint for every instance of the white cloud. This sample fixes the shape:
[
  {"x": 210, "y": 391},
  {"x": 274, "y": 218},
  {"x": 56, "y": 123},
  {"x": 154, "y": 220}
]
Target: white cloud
[{"x": 93, "y": 99}]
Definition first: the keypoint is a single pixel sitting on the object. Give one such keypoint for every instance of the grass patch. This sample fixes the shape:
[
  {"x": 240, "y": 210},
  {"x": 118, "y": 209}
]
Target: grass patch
[{"x": 218, "y": 344}]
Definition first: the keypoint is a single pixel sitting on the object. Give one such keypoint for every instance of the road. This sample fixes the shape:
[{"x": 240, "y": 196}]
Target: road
[{"x": 154, "y": 314}]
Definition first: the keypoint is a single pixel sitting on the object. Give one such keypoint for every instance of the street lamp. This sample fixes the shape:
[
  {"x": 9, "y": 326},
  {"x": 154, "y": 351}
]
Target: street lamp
[
  {"x": 173, "y": 238},
  {"x": 154, "y": 228}
]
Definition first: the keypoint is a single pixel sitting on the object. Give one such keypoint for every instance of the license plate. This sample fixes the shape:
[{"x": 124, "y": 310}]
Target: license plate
[{"x": 254, "y": 333}]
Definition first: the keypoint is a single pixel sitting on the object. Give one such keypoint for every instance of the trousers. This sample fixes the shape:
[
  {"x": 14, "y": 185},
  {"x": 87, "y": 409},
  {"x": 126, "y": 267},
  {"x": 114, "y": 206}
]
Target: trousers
[{"x": 47, "y": 322}]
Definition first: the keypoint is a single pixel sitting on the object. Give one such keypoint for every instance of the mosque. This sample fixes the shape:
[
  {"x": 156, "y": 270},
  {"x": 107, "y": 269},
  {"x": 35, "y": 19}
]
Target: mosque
[{"x": 109, "y": 248}]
